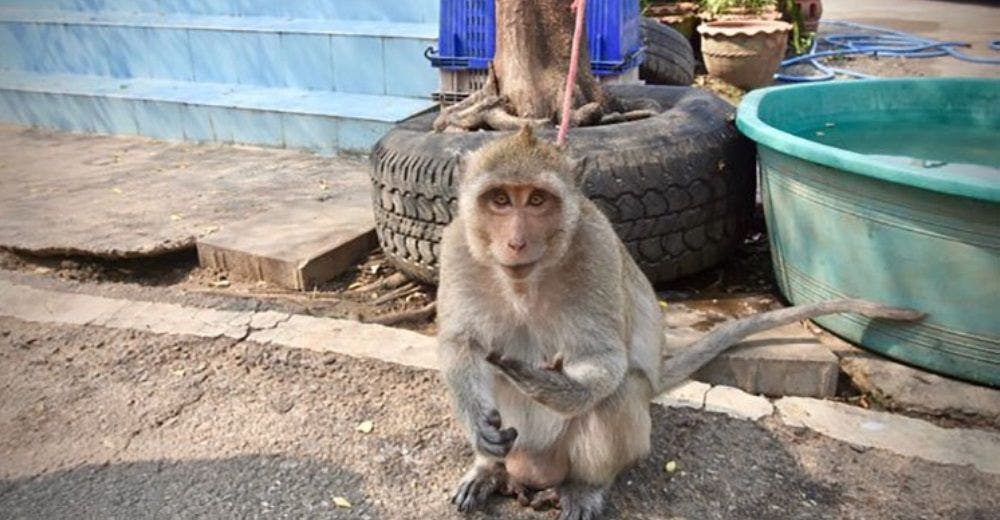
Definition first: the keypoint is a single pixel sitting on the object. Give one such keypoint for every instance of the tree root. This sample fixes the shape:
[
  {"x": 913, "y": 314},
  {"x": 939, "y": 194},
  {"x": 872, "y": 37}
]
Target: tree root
[
  {"x": 401, "y": 292},
  {"x": 618, "y": 117},
  {"x": 391, "y": 282},
  {"x": 394, "y": 318},
  {"x": 487, "y": 109}
]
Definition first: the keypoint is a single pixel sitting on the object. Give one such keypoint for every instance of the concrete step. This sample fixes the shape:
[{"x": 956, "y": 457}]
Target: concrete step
[
  {"x": 419, "y": 11},
  {"x": 297, "y": 246},
  {"x": 323, "y": 121},
  {"x": 344, "y": 55}
]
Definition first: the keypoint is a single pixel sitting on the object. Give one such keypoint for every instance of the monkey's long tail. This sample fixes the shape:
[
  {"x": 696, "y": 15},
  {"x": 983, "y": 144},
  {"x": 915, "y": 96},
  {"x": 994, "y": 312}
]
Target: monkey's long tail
[{"x": 678, "y": 368}]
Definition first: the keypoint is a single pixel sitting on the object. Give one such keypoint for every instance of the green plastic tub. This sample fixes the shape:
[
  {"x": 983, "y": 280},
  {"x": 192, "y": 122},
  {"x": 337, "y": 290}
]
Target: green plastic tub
[{"x": 889, "y": 190}]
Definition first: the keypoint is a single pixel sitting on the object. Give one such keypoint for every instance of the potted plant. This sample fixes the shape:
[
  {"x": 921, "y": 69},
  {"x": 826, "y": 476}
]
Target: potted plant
[
  {"x": 721, "y": 10},
  {"x": 810, "y": 11},
  {"x": 804, "y": 16},
  {"x": 744, "y": 52}
]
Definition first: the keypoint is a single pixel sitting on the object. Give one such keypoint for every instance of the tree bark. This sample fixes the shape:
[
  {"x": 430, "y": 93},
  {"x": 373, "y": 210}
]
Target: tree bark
[{"x": 528, "y": 75}]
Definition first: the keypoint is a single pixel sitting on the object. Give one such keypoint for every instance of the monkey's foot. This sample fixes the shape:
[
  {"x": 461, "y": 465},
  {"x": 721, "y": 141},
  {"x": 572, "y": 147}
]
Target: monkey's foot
[
  {"x": 581, "y": 502},
  {"x": 477, "y": 486}
]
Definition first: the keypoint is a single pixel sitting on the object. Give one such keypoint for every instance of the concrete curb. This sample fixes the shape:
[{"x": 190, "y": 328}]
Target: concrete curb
[
  {"x": 896, "y": 433},
  {"x": 268, "y": 327}
]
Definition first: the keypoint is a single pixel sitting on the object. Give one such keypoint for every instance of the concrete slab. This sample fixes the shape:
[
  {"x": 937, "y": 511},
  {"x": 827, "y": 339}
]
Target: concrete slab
[
  {"x": 906, "y": 388},
  {"x": 297, "y": 246},
  {"x": 118, "y": 197},
  {"x": 898, "y": 434},
  {"x": 781, "y": 362}
]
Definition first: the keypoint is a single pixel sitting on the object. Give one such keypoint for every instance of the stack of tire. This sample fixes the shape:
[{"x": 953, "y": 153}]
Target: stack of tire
[
  {"x": 669, "y": 58},
  {"x": 678, "y": 187}
]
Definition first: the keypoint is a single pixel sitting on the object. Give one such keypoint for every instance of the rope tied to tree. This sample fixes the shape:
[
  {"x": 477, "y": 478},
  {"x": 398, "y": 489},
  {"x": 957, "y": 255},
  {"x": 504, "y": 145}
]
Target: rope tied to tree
[{"x": 580, "y": 6}]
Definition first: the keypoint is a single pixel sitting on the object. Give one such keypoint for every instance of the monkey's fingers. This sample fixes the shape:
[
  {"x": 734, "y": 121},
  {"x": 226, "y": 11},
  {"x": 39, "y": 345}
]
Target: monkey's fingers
[
  {"x": 515, "y": 368},
  {"x": 494, "y": 441}
]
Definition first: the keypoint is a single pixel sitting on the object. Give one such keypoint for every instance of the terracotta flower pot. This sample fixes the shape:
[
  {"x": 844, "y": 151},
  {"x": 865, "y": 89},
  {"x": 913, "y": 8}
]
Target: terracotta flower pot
[
  {"x": 744, "y": 53},
  {"x": 811, "y": 10},
  {"x": 682, "y": 16},
  {"x": 742, "y": 13}
]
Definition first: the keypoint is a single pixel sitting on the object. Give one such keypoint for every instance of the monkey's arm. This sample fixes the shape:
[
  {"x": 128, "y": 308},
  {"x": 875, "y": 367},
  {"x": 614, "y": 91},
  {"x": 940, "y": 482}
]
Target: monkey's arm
[
  {"x": 568, "y": 387},
  {"x": 678, "y": 368},
  {"x": 468, "y": 377}
]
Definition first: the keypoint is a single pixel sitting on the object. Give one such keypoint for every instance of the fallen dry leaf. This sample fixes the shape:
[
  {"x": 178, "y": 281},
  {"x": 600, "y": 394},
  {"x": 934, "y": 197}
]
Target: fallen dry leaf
[{"x": 366, "y": 427}]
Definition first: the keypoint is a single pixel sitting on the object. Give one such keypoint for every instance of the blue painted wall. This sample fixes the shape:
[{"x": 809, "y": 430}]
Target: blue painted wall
[{"x": 329, "y": 75}]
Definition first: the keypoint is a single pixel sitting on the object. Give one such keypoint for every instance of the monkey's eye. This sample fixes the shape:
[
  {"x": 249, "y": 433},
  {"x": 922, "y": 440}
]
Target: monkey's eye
[
  {"x": 500, "y": 198},
  {"x": 537, "y": 198}
]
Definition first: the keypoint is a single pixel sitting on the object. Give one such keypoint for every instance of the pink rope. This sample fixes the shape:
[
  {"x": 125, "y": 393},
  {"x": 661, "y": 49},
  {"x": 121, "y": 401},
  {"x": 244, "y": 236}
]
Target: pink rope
[{"x": 574, "y": 65}]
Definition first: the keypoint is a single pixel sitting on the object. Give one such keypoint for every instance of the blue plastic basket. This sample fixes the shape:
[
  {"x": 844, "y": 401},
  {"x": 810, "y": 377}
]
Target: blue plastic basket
[
  {"x": 467, "y": 35},
  {"x": 613, "y": 36},
  {"x": 466, "y": 38}
]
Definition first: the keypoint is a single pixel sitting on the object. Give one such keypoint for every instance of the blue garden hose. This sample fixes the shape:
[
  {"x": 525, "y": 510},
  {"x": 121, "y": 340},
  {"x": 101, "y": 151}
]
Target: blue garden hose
[{"x": 874, "y": 41}]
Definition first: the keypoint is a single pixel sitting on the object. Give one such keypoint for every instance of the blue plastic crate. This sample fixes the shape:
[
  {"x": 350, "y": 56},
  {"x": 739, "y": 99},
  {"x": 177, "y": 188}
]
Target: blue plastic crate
[
  {"x": 613, "y": 36},
  {"x": 467, "y": 35}
]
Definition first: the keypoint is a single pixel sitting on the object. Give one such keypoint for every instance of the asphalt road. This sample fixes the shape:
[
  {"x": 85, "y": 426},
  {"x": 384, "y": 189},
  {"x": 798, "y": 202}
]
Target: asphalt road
[{"x": 99, "y": 423}]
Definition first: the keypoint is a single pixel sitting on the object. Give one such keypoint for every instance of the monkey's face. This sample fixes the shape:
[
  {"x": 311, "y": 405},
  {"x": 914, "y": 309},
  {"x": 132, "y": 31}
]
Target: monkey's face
[{"x": 520, "y": 223}]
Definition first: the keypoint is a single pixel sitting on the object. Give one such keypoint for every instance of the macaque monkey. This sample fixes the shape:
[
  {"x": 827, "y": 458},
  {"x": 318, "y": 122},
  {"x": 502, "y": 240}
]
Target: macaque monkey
[{"x": 551, "y": 338}]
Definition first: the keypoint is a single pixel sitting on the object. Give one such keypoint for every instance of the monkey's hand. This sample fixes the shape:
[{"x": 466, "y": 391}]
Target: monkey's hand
[
  {"x": 490, "y": 439},
  {"x": 548, "y": 384}
]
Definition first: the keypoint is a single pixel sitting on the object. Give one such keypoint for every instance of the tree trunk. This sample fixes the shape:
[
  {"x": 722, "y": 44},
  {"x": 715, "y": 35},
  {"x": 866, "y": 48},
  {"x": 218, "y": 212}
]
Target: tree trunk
[
  {"x": 528, "y": 75},
  {"x": 534, "y": 41}
]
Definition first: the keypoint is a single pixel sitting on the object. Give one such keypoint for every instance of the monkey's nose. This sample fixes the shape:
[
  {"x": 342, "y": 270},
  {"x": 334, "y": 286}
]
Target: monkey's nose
[{"x": 517, "y": 244}]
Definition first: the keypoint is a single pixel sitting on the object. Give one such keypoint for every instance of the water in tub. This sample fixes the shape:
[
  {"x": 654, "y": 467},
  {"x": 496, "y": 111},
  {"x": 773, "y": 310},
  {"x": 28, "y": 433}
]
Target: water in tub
[{"x": 947, "y": 149}]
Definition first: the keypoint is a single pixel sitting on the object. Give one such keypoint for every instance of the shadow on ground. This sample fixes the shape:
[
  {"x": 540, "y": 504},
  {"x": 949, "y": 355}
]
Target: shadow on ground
[{"x": 240, "y": 487}]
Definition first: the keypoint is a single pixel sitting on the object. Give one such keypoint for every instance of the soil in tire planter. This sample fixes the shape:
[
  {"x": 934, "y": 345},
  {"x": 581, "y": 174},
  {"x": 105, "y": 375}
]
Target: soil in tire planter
[{"x": 678, "y": 188}]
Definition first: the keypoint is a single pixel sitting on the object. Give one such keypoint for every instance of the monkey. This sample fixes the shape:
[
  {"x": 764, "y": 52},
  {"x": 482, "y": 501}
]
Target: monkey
[{"x": 551, "y": 337}]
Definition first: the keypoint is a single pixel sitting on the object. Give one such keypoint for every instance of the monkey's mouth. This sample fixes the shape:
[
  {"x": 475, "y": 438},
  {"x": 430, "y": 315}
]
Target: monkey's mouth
[{"x": 518, "y": 271}]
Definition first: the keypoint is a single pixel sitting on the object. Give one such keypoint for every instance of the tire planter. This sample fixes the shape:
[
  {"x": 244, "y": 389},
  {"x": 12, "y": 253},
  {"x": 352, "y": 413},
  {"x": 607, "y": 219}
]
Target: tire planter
[
  {"x": 669, "y": 57},
  {"x": 678, "y": 188}
]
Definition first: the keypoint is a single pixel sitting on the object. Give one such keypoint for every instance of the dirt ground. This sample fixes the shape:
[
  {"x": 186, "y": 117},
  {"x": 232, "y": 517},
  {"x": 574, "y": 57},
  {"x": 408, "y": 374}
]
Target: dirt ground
[{"x": 101, "y": 423}]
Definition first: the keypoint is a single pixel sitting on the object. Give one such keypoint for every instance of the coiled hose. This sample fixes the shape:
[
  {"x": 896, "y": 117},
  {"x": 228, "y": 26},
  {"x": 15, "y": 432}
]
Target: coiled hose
[{"x": 874, "y": 41}]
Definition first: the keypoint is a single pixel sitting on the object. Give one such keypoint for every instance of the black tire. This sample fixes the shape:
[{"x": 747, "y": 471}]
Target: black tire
[
  {"x": 669, "y": 56},
  {"x": 678, "y": 187}
]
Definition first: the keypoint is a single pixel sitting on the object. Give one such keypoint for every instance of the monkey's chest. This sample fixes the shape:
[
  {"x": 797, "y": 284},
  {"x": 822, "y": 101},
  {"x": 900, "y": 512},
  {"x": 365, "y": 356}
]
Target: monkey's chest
[{"x": 529, "y": 342}]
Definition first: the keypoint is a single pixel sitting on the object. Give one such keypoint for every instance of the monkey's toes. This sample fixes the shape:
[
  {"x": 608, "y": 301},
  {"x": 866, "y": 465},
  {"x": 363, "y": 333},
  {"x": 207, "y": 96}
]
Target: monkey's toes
[
  {"x": 545, "y": 499},
  {"x": 473, "y": 493}
]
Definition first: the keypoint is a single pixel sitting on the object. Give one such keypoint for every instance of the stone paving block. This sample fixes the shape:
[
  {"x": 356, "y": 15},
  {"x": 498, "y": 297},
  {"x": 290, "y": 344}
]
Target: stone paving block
[
  {"x": 780, "y": 362},
  {"x": 913, "y": 389},
  {"x": 736, "y": 403},
  {"x": 298, "y": 246},
  {"x": 689, "y": 394}
]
